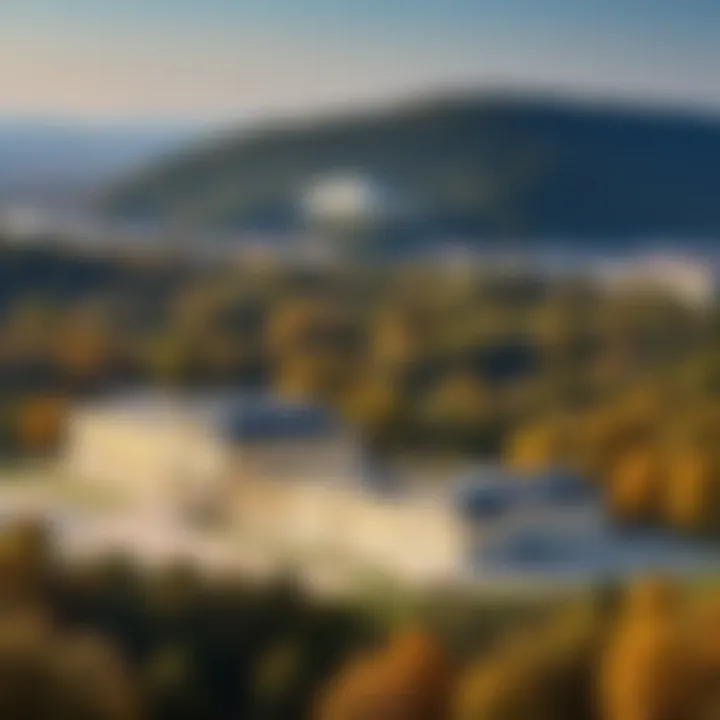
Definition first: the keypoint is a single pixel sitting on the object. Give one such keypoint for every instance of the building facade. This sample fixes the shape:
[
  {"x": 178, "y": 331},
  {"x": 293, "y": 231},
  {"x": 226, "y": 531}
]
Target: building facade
[{"x": 289, "y": 475}]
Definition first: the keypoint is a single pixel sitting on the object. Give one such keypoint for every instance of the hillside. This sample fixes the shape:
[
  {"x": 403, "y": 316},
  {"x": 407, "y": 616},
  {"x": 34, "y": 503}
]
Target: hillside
[{"x": 488, "y": 166}]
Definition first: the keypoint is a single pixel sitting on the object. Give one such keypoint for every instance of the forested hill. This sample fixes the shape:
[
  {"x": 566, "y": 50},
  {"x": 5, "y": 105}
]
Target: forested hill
[{"x": 487, "y": 166}]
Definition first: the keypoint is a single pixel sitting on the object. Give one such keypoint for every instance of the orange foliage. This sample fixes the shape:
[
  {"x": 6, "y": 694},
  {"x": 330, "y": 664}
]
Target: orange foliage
[
  {"x": 40, "y": 423},
  {"x": 375, "y": 402},
  {"x": 636, "y": 484},
  {"x": 408, "y": 680},
  {"x": 692, "y": 491},
  {"x": 85, "y": 355},
  {"x": 649, "y": 668},
  {"x": 535, "y": 447}
]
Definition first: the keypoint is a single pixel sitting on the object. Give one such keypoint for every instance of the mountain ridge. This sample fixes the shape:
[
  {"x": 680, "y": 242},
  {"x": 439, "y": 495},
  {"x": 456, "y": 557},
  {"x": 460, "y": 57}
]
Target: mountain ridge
[{"x": 482, "y": 165}]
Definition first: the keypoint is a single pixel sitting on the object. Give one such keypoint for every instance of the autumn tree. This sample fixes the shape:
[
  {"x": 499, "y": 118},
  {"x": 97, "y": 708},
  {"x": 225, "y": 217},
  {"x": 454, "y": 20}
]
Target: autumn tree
[
  {"x": 407, "y": 680},
  {"x": 693, "y": 491},
  {"x": 648, "y": 670},
  {"x": 48, "y": 673},
  {"x": 537, "y": 446},
  {"x": 40, "y": 423},
  {"x": 544, "y": 673},
  {"x": 25, "y": 561},
  {"x": 636, "y": 484},
  {"x": 310, "y": 375}
]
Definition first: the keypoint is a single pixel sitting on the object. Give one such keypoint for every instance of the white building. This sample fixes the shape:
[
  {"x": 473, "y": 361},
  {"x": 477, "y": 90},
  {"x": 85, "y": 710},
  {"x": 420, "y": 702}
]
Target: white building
[
  {"x": 289, "y": 475},
  {"x": 690, "y": 280},
  {"x": 171, "y": 446},
  {"x": 350, "y": 199}
]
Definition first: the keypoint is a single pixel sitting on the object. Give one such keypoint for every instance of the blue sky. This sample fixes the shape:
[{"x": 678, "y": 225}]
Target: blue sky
[{"x": 223, "y": 59}]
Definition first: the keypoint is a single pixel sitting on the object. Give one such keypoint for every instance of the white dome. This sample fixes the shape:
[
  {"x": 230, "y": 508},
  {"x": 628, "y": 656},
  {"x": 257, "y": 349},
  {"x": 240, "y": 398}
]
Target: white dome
[{"x": 349, "y": 199}]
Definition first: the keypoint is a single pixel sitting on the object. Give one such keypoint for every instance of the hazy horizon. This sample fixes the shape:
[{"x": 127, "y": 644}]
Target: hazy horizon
[{"x": 198, "y": 126}]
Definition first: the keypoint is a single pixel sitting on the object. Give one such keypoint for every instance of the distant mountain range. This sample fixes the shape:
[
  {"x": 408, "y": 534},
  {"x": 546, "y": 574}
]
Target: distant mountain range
[
  {"x": 479, "y": 166},
  {"x": 56, "y": 161}
]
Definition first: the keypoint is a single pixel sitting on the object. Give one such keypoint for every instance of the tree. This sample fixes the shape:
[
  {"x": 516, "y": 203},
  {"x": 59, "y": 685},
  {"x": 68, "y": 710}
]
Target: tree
[
  {"x": 94, "y": 680},
  {"x": 545, "y": 673},
  {"x": 40, "y": 423},
  {"x": 648, "y": 670},
  {"x": 408, "y": 680},
  {"x": 693, "y": 491},
  {"x": 636, "y": 485},
  {"x": 459, "y": 413},
  {"x": 86, "y": 352},
  {"x": 49, "y": 674},
  {"x": 171, "y": 685},
  {"x": 170, "y": 359},
  {"x": 704, "y": 627},
  {"x": 396, "y": 337},
  {"x": 278, "y": 678},
  {"x": 374, "y": 402},
  {"x": 310, "y": 375},
  {"x": 25, "y": 561},
  {"x": 296, "y": 323},
  {"x": 536, "y": 446}
]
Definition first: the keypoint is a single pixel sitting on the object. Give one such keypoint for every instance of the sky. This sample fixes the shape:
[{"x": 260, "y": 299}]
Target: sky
[{"x": 219, "y": 60}]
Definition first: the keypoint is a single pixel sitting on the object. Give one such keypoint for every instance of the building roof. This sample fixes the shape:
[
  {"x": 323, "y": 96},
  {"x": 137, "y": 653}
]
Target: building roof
[
  {"x": 231, "y": 413},
  {"x": 495, "y": 490}
]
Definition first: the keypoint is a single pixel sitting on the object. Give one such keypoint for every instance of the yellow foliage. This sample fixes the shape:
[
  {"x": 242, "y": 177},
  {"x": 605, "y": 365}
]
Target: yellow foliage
[
  {"x": 543, "y": 674},
  {"x": 497, "y": 690},
  {"x": 459, "y": 400},
  {"x": 535, "y": 447},
  {"x": 651, "y": 596},
  {"x": 396, "y": 338},
  {"x": 296, "y": 325},
  {"x": 636, "y": 484},
  {"x": 648, "y": 670},
  {"x": 374, "y": 402},
  {"x": 643, "y": 405},
  {"x": 307, "y": 376},
  {"x": 611, "y": 432},
  {"x": 692, "y": 491}
]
